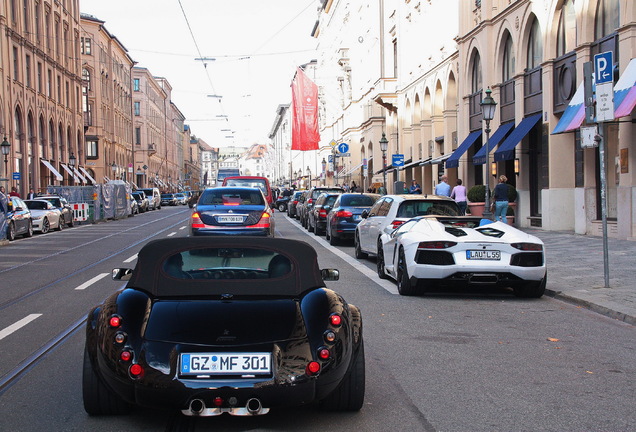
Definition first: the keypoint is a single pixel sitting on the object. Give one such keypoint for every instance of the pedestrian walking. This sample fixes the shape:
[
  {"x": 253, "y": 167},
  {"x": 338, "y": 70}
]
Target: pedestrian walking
[
  {"x": 14, "y": 192},
  {"x": 382, "y": 189},
  {"x": 501, "y": 199},
  {"x": 354, "y": 187},
  {"x": 443, "y": 188},
  {"x": 459, "y": 195},
  {"x": 415, "y": 187},
  {"x": 31, "y": 195}
]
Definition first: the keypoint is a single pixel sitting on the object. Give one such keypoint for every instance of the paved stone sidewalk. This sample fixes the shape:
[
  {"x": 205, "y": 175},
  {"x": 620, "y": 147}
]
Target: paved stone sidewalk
[{"x": 576, "y": 274}]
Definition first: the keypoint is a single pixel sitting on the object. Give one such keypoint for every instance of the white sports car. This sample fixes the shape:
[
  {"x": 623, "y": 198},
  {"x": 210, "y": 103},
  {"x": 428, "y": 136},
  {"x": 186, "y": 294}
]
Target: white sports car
[{"x": 433, "y": 251}]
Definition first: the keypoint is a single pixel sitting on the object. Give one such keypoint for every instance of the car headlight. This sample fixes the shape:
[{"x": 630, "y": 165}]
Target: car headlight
[{"x": 37, "y": 217}]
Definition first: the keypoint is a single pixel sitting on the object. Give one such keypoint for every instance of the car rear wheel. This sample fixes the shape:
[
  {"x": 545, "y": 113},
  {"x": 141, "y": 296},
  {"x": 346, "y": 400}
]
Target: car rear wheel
[
  {"x": 46, "y": 225},
  {"x": 349, "y": 395},
  {"x": 60, "y": 224},
  {"x": 282, "y": 208},
  {"x": 11, "y": 232},
  {"x": 403, "y": 281},
  {"x": 380, "y": 261},
  {"x": 533, "y": 289},
  {"x": 358, "y": 252},
  {"x": 333, "y": 240},
  {"x": 71, "y": 222},
  {"x": 99, "y": 399},
  {"x": 29, "y": 232}
]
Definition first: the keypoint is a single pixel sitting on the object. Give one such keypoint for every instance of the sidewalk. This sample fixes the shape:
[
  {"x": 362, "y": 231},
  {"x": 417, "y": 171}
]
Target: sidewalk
[{"x": 576, "y": 274}]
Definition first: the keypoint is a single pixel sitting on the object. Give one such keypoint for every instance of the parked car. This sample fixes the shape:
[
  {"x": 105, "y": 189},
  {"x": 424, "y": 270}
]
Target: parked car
[
  {"x": 318, "y": 214},
  {"x": 346, "y": 214},
  {"x": 281, "y": 203},
  {"x": 212, "y": 326},
  {"x": 391, "y": 211},
  {"x": 19, "y": 221},
  {"x": 168, "y": 199},
  {"x": 134, "y": 206},
  {"x": 181, "y": 198},
  {"x": 293, "y": 202},
  {"x": 310, "y": 197},
  {"x": 44, "y": 216},
  {"x": 143, "y": 203},
  {"x": 62, "y": 204},
  {"x": 232, "y": 211},
  {"x": 438, "y": 251},
  {"x": 154, "y": 197}
]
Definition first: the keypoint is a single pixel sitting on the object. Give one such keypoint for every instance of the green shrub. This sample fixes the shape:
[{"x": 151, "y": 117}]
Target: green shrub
[
  {"x": 477, "y": 193},
  {"x": 512, "y": 193}
]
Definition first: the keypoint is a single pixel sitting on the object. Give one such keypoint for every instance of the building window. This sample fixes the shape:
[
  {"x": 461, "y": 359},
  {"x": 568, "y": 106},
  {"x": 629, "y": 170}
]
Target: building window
[
  {"x": 26, "y": 16},
  {"x": 508, "y": 60},
  {"x": 138, "y": 135},
  {"x": 86, "y": 46},
  {"x": 535, "y": 46},
  {"x": 608, "y": 18},
  {"x": 59, "y": 88},
  {"x": 16, "y": 64},
  {"x": 476, "y": 84},
  {"x": 137, "y": 108},
  {"x": 566, "y": 33},
  {"x": 40, "y": 77},
  {"x": 136, "y": 84},
  {"x": 86, "y": 77},
  {"x": 27, "y": 65},
  {"x": 38, "y": 12},
  {"x": 91, "y": 149},
  {"x": 49, "y": 83}
]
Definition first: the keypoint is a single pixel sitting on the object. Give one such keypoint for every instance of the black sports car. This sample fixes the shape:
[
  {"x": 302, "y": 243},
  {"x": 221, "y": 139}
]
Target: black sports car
[{"x": 213, "y": 325}]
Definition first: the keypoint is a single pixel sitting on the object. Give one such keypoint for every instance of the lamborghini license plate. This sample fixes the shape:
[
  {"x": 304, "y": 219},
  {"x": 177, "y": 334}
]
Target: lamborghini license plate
[
  {"x": 489, "y": 255},
  {"x": 225, "y": 363}
]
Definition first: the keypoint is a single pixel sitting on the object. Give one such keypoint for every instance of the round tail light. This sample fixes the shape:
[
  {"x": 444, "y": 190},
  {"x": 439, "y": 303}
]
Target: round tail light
[
  {"x": 335, "y": 320},
  {"x": 312, "y": 368},
  {"x": 323, "y": 353},
  {"x": 136, "y": 370},
  {"x": 125, "y": 356}
]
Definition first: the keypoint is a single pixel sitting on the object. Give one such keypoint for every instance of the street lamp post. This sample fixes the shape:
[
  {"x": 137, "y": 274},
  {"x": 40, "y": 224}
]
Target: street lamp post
[
  {"x": 71, "y": 162},
  {"x": 488, "y": 106},
  {"x": 324, "y": 168},
  {"x": 308, "y": 177},
  {"x": 114, "y": 168},
  {"x": 6, "y": 148},
  {"x": 384, "y": 145}
]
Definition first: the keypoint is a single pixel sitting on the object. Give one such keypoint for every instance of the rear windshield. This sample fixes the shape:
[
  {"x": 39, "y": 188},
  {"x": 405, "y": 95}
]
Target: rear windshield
[
  {"x": 409, "y": 209},
  {"x": 55, "y": 201},
  {"x": 357, "y": 201},
  {"x": 231, "y": 197},
  {"x": 257, "y": 183},
  {"x": 36, "y": 205},
  {"x": 316, "y": 192},
  {"x": 227, "y": 263}
]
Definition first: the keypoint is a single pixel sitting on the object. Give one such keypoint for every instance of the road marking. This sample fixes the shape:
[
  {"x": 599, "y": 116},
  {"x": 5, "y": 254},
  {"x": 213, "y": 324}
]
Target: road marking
[
  {"x": 131, "y": 259},
  {"x": 386, "y": 284},
  {"x": 171, "y": 234},
  {"x": 92, "y": 281},
  {"x": 183, "y": 227},
  {"x": 18, "y": 325}
]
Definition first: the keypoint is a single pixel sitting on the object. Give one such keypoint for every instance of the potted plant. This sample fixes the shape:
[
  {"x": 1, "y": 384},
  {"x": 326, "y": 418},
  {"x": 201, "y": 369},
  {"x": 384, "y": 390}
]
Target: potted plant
[{"x": 476, "y": 200}]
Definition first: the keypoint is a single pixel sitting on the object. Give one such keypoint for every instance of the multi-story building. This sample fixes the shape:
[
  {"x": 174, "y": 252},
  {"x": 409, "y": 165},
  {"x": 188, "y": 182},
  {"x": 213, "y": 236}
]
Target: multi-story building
[
  {"x": 106, "y": 102},
  {"x": 41, "y": 111}
]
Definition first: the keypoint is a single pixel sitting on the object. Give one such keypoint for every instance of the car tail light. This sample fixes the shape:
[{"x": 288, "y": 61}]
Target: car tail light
[
  {"x": 323, "y": 353},
  {"x": 125, "y": 356},
  {"x": 396, "y": 223},
  {"x": 312, "y": 368},
  {"x": 264, "y": 222},
  {"x": 196, "y": 221},
  {"x": 335, "y": 320},
  {"x": 329, "y": 336},
  {"x": 527, "y": 246},
  {"x": 322, "y": 213},
  {"x": 436, "y": 245},
  {"x": 217, "y": 401},
  {"x": 115, "y": 321},
  {"x": 136, "y": 371},
  {"x": 310, "y": 200},
  {"x": 120, "y": 337},
  {"x": 343, "y": 214},
  {"x": 295, "y": 202}
]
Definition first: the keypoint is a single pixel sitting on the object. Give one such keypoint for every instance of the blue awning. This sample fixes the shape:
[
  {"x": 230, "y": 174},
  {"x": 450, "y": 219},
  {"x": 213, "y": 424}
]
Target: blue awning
[
  {"x": 480, "y": 157},
  {"x": 453, "y": 161},
  {"x": 506, "y": 151}
]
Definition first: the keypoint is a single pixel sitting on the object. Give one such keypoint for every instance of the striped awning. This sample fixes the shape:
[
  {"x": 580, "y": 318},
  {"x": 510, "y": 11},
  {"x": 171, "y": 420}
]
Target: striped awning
[
  {"x": 625, "y": 91},
  {"x": 88, "y": 176},
  {"x": 55, "y": 172}
]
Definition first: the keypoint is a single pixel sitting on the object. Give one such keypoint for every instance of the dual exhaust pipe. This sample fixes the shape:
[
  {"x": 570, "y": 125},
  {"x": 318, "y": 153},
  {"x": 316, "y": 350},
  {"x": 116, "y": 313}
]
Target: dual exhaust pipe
[{"x": 252, "y": 407}]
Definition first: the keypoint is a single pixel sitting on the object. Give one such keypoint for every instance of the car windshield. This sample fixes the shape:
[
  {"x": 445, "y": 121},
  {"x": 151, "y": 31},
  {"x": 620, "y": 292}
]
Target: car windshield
[
  {"x": 357, "y": 200},
  {"x": 316, "y": 192},
  {"x": 137, "y": 195},
  {"x": 409, "y": 209},
  {"x": 166, "y": 195},
  {"x": 227, "y": 263},
  {"x": 36, "y": 205},
  {"x": 55, "y": 201},
  {"x": 232, "y": 197},
  {"x": 256, "y": 183}
]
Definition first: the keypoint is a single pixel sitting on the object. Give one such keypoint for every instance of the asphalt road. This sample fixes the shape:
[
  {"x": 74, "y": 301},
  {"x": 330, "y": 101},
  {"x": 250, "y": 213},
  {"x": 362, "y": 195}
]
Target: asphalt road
[{"x": 460, "y": 361}]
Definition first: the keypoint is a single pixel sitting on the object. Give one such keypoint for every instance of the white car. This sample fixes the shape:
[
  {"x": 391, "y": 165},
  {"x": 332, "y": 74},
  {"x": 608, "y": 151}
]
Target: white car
[
  {"x": 45, "y": 215},
  {"x": 429, "y": 252},
  {"x": 391, "y": 211}
]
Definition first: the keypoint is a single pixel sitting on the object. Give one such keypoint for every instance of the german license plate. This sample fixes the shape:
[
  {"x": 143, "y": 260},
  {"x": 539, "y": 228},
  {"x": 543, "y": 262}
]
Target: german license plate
[
  {"x": 357, "y": 217},
  {"x": 489, "y": 255},
  {"x": 225, "y": 364},
  {"x": 229, "y": 219}
]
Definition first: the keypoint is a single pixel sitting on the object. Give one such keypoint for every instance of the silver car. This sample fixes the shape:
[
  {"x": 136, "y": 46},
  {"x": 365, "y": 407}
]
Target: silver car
[{"x": 45, "y": 216}]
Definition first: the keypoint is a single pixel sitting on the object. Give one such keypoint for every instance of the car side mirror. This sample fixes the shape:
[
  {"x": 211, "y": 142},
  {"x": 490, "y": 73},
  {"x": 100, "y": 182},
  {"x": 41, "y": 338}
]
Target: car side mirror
[
  {"x": 365, "y": 214},
  {"x": 122, "y": 274},
  {"x": 330, "y": 274}
]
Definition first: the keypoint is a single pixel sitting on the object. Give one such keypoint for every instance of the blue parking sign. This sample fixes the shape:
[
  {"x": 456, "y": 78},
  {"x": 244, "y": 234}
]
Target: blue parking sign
[
  {"x": 16, "y": 176},
  {"x": 603, "y": 67}
]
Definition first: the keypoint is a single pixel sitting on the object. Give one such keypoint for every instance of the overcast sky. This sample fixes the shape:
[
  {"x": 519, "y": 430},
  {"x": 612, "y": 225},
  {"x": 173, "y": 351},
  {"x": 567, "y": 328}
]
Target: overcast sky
[{"x": 257, "y": 45}]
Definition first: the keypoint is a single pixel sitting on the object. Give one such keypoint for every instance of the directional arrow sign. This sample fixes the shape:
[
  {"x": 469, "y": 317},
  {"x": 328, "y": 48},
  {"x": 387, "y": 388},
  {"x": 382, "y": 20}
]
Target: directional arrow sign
[
  {"x": 603, "y": 67},
  {"x": 343, "y": 147}
]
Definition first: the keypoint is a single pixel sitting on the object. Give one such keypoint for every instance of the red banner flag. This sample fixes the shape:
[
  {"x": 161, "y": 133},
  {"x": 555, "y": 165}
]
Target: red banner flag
[{"x": 305, "y": 135}]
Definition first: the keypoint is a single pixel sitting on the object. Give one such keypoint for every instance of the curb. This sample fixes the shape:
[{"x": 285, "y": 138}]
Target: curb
[{"x": 602, "y": 310}]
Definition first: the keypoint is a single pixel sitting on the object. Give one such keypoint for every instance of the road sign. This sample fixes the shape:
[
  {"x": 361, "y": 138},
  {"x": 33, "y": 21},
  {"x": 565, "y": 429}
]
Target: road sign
[
  {"x": 330, "y": 158},
  {"x": 603, "y": 68},
  {"x": 344, "y": 155},
  {"x": 588, "y": 133},
  {"x": 332, "y": 143},
  {"x": 398, "y": 160},
  {"x": 16, "y": 176},
  {"x": 343, "y": 147},
  {"x": 604, "y": 102}
]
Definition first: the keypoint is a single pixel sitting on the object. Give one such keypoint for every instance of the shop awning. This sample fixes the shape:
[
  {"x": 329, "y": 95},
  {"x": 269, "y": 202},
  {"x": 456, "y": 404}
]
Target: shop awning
[
  {"x": 106, "y": 179},
  {"x": 81, "y": 177},
  {"x": 70, "y": 172},
  {"x": 353, "y": 169},
  {"x": 55, "y": 172},
  {"x": 416, "y": 163},
  {"x": 506, "y": 150},
  {"x": 453, "y": 160},
  {"x": 436, "y": 161},
  {"x": 88, "y": 176},
  {"x": 625, "y": 91},
  {"x": 479, "y": 158},
  {"x": 388, "y": 168},
  {"x": 574, "y": 114}
]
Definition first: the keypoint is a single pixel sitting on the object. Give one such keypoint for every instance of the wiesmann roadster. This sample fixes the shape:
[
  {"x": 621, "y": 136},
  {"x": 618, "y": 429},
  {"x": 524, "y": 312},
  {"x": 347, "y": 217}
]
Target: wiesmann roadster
[
  {"x": 214, "y": 325},
  {"x": 436, "y": 251}
]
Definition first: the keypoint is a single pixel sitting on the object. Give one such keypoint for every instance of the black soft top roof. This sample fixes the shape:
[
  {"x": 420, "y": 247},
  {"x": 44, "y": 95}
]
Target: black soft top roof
[{"x": 149, "y": 276}]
